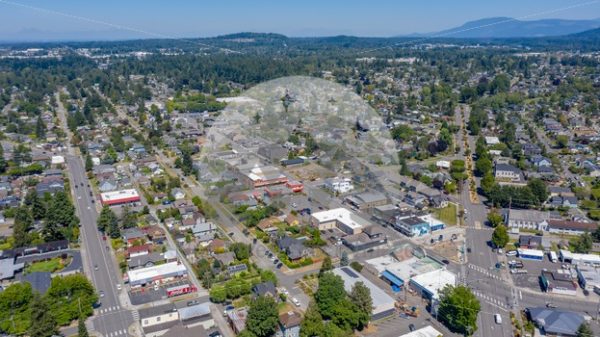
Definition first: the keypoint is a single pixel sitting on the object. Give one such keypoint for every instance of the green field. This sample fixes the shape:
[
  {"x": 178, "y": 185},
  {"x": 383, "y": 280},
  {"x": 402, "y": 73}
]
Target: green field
[{"x": 447, "y": 214}]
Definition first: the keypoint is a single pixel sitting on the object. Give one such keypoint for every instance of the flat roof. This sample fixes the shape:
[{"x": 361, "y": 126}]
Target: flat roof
[
  {"x": 119, "y": 195},
  {"x": 590, "y": 275},
  {"x": 530, "y": 252},
  {"x": 434, "y": 281},
  {"x": 341, "y": 215},
  {"x": 427, "y": 331},
  {"x": 350, "y": 277},
  {"x": 591, "y": 258},
  {"x": 155, "y": 271},
  {"x": 407, "y": 269}
]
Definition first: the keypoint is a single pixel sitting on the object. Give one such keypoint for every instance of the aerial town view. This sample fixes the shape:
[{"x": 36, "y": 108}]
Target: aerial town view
[{"x": 299, "y": 169}]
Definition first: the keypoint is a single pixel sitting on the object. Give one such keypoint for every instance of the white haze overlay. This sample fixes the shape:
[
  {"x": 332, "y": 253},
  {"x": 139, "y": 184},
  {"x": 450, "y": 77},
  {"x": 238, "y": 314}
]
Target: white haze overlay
[{"x": 345, "y": 128}]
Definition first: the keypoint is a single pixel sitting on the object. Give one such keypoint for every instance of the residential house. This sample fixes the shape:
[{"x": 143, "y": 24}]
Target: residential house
[
  {"x": 155, "y": 233},
  {"x": 225, "y": 259},
  {"x": 540, "y": 161},
  {"x": 508, "y": 173},
  {"x": 294, "y": 248},
  {"x": 530, "y": 241},
  {"x": 289, "y": 324},
  {"x": 237, "y": 319},
  {"x": 556, "y": 322},
  {"x": 204, "y": 230},
  {"x": 339, "y": 185},
  {"x": 415, "y": 200},
  {"x": 178, "y": 193},
  {"x": 107, "y": 185},
  {"x": 265, "y": 289},
  {"x": 563, "y": 201},
  {"x": 132, "y": 235}
]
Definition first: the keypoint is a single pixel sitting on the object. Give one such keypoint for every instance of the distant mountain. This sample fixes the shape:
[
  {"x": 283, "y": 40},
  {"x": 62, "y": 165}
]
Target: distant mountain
[
  {"x": 504, "y": 27},
  {"x": 588, "y": 34}
]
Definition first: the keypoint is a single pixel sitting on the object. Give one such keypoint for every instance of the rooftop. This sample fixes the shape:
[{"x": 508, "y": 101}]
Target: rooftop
[{"x": 343, "y": 216}]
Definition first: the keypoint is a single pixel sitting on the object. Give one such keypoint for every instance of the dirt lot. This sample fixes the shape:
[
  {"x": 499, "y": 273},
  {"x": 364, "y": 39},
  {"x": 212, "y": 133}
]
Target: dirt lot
[{"x": 310, "y": 172}]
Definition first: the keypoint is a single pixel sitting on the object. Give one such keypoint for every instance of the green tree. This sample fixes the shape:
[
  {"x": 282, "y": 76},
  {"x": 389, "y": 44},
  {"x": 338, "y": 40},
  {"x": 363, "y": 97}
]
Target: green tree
[
  {"x": 487, "y": 183},
  {"x": 483, "y": 165},
  {"x": 344, "y": 261},
  {"x": 361, "y": 297},
  {"x": 538, "y": 188},
  {"x": 500, "y": 236},
  {"x": 584, "y": 330},
  {"x": 242, "y": 251},
  {"x": 458, "y": 309},
  {"x": 494, "y": 218},
  {"x": 22, "y": 225},
  {"x": 40, "y": 128},
  {"x": 329, "y": 294},
  {"x": 326, "y": 265},
  {"x": 106, "y": 219},
  {"x": 583, "y": 243},
  {"x": 3, "y": 163},
  {"x": 89, "y": 164},
  {"x": 312, "y": 325},
  {"x": 402, "y": 133},
  {"x": 82, "y": 330},
  {"x": 60, "y": 215},
  {"x": 262, "y": 317},
  {"x": 562, "y": 141},
  {"x": 41, "y": 314}
]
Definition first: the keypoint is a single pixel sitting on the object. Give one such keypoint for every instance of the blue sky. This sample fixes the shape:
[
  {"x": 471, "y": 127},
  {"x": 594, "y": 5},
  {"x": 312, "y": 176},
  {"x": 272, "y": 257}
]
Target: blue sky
[{"x": 180, "y": 18}]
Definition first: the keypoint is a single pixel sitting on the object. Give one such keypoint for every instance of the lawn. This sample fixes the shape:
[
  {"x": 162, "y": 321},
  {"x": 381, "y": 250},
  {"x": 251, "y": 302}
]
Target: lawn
[
  {"x": 447, "y": 214},
  {"x": 51, "y": 265}
]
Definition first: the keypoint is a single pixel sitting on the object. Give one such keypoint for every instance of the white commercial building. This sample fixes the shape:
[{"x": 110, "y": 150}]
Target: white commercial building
[
  {"x": 340, "y": 218},
  {"x": 492, "y": 140},
  {"x": 427, "y": 331},
  {"x": 432, "y": 282},
  {"x": 383, "y": 304},
  {"x": 119, "y": 197},
  {"x": 156, "y": 273},
  {"x": 58, "y": 160},
  {"x": 574, "y": 258},
  {"x": 339, "y": 185}
]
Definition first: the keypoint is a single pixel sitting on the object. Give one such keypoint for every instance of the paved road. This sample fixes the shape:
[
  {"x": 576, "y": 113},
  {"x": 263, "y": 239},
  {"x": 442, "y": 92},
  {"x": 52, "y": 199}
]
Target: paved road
[{"x": 110, "y": 319}]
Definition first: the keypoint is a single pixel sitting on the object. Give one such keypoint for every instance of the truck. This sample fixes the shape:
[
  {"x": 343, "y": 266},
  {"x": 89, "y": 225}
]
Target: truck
[{"x": 553, "y": 257}]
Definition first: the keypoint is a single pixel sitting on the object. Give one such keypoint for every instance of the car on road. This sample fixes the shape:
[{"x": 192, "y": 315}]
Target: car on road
[
  {"x": 101, "y": 293},
  {"x": 119, "y": 286},
  {"x": 411, "y": 327},
  {"x": 295, "y": 301},
  {"x": 214, "y": 333},
  {"x": 468, "y": 250},
  {"x": 445, "y": 261},
  {"x": 498, "y": 318},
  {"x": 95, "y": 267},
  {"x": 551, "y": 305},
  {"x": 230, "y": 233}
]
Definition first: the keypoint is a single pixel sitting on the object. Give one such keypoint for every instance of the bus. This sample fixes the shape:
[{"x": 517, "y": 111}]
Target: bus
[{"x": 553, "y": 257}]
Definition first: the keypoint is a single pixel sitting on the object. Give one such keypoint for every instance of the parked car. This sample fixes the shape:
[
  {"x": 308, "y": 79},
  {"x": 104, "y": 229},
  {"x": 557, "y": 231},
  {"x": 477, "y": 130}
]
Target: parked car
[
  {"x": 411, "y": 327},
  {"x": 295, "y": 301},
  {"x": 511, "y": 253}
]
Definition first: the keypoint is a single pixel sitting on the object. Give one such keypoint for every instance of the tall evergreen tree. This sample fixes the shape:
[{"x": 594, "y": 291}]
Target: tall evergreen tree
[
  {"x": 40, "y": 128},
  {"x": 21, "y": 227},
  {"x": 44, "y": 323},
  {"x": 361, "y": 297},
  {"x": 312, "y": 325},
  {"x": 2, "y": 160}
]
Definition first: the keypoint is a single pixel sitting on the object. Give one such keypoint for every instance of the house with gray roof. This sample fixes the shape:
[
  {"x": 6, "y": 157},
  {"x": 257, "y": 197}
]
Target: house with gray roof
[
  {"x": 294, "y": 248},
  {"x": 556, "y": 322}
]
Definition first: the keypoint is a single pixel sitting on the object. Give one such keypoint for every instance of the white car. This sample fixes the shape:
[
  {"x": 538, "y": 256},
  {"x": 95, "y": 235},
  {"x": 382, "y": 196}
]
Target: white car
[
  {"x": 498, "y": 318},
  {"x": 295, "y": 301},
  {"x": 511, "y": 253},
  {"x": 118, "y": 286}
]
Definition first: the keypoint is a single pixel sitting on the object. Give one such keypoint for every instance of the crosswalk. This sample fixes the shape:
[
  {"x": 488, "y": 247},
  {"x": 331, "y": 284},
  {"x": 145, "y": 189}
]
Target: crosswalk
[
  {"x": 491, "y": 300},
  {"x": 108, "y": 309},
  {"x": 122, "y": 332},
  {"x": 484, "y": 271},
  {"x": 136, "y": 315}
]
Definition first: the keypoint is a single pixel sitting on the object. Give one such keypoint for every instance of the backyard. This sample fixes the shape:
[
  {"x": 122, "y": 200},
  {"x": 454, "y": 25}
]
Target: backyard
[{"x": 447, "y": 214}]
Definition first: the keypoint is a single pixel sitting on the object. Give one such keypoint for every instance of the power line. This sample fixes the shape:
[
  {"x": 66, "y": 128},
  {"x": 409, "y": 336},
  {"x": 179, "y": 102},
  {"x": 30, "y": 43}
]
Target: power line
[
  {"x": 452, "y": 32},
  {"x": 113, "y": 25}
]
